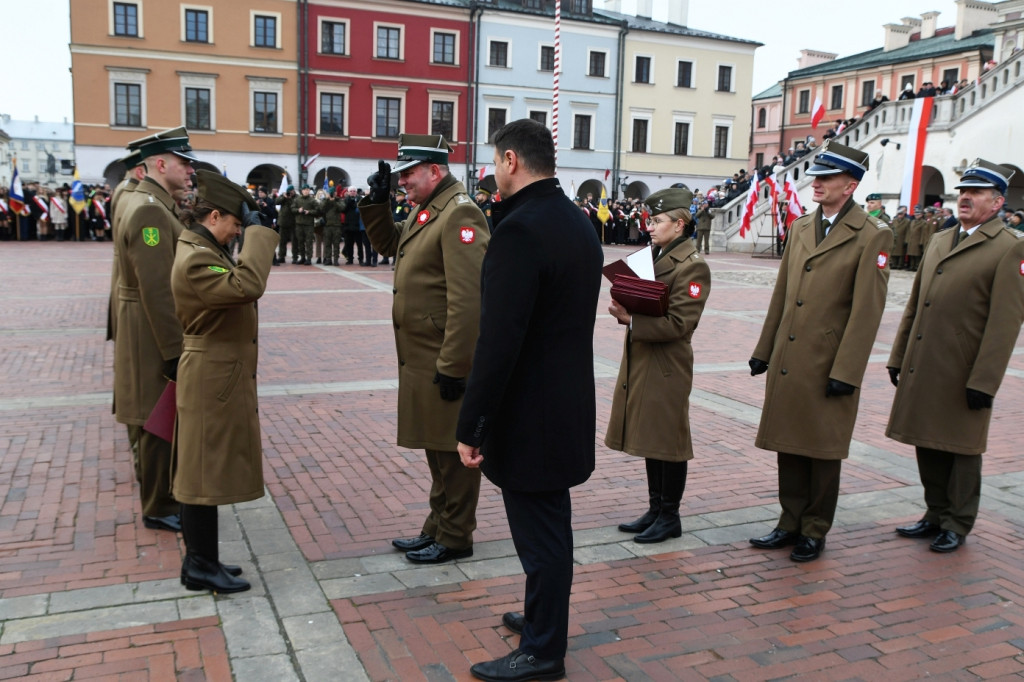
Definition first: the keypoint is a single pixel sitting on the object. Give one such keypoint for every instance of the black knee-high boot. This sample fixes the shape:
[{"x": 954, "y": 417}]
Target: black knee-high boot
[
  {"x": 201, "y": 568},
  {"x": 654, "y": 496},
  {"x": 668, "y": 525}
]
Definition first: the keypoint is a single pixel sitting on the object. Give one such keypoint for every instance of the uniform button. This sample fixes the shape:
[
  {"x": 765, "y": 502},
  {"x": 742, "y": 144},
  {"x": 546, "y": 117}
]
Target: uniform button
[
  {"x": 927, "y": 303},
  {"x": 911, "y": 370},
  {"x": 799, "y": 302},
  {"x": 402, "y": 252},
  {"x": 401, "y": 363},
  {"x": 939, "y": 271},
  {"x": 785, "y": 371},
  {"x": 792, "y": 338},
  {"x": 253, "y": 376},
  {"x": 624, "y": 385},
  {"x": 394, "y": 291},
  {"x": 254, "y": 340},
  {"x": 808, "y": 268},
  {"x": 918, "y": 337},
  {"x": 397, "y": 327}
]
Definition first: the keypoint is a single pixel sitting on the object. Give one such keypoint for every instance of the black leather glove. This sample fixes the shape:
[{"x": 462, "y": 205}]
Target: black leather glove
[
  {"x": 451, "y": 388},
  {"x": 976, "y": 400},
  {"x": 380, "y": 183},
  {"x": 894, "y": 375},
  {"x": 249, "y": 217},
  {"x": 757, "y": 366},
  {"x": 835, "y": 387},
  {"x": 170, "y": 369}
]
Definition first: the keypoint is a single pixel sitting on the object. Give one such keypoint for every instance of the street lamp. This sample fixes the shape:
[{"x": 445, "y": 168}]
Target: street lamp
[{"x": 623, "y": 185}]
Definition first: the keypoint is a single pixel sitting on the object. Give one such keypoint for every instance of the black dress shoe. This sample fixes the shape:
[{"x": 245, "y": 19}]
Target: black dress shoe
[
  {"x": 436, "y": 553},
  {"x": 807, "y": 549},
  {"x": 412, "y": 544},
  {"x": 171, "y": 522},
  {"x": 319, "y": 261},
  {"x": 514, "y": 621},
  {"x": 230, "y": 569},
  {"x": 921, "y": 529},
  {"x": 641, "y": 524},
  {"x": 774, "y": 540},
  {"x": 947, "y": 541},
  {"x": 667, "y": 526},
  {"x": 275, "y": 261},
  {"x": 199, "y": 573},
  {"x": 517, "y": 667}
]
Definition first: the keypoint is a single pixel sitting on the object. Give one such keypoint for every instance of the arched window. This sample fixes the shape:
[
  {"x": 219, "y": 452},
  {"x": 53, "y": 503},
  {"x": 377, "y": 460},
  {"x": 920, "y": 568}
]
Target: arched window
[{"x": 762, "y": 118}]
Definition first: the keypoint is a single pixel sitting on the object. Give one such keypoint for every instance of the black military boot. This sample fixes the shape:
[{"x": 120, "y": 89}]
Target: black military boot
[
  {"x": 654, "y": 496},
  {"x": 667, "y": 525}
]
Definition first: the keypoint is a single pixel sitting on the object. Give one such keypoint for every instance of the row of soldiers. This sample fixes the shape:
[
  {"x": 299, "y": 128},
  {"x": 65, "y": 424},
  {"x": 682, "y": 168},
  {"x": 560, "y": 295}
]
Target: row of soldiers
[{"x": 910, "y": 232}]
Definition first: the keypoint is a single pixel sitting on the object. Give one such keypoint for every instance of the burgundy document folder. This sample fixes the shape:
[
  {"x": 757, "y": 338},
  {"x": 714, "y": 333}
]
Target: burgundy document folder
[{"x": 161, "y": 419}]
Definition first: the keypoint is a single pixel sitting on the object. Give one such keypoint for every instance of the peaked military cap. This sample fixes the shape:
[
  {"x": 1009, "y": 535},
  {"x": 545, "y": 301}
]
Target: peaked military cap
[
  {"x": 669, "y": 199},
  {"x": 173, "y": 141},
  {"x": 481, "y": 190},
  {"x": 222, "y": 193},
  {"x": 838, "y": 158},
  {"x": 982, "y": 173},
  {"x": 131, "y": 159},
  {"x": 874, "y": 197},
  {"x": 163, "y": 134},
  {"x": 413, "y": 149}
]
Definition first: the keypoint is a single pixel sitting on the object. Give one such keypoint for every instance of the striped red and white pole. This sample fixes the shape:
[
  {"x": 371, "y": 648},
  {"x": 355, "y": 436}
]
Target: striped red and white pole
[{"x": 558, "y": 71}]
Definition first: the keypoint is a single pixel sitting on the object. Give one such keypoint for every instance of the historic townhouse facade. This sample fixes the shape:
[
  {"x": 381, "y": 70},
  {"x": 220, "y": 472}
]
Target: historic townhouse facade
[{"x": 225, "y": 70}]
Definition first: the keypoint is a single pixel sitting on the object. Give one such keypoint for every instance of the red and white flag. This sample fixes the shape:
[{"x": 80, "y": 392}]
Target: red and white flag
[
  {"x": 773, "y": 195},
  {"x": 748, "y": 209},
  {"x": 917, "y": 135},
  {"x": 841, "y": 128},
  {"x": 482, "y": 174},
  {"x": 817, "y": 112},
  {"x": 793, "y": 208}
]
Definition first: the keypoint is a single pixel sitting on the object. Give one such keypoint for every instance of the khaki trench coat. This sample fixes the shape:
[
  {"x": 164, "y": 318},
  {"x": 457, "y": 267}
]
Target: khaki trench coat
[
  {"x": 651, "y": 407},
  {"x": 958, "y": 332},
  {"x": 438, "y": 251},
  {"x": 148, "y": 332},
  {"x": 217, "y": 456},
  {"x": 899, "y": 236},
  {"x": 914, "y": 236},
  {"x": 821, "y": 324},
  {"x": 120, "y": 203}
]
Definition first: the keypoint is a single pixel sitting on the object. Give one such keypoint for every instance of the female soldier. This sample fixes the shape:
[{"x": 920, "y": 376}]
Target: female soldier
[
  {"x": 650, "y": 408},
  {"x": 217, "y": 457}
]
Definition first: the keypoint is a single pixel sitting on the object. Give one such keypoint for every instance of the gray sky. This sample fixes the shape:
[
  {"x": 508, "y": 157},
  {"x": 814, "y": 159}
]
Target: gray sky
[{"x": 35, "y": 80}]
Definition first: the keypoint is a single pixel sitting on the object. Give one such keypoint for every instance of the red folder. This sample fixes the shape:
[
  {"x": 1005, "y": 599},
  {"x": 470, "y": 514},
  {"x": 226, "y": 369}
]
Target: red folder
[
  {"x": 161, "y": 419},
  {"x": 641, "y": 296}
]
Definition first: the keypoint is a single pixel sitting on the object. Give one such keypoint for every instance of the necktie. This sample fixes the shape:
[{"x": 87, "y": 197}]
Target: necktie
[
  {"x": 960, "y": 236},
  {"x": 825, "y": 224}
]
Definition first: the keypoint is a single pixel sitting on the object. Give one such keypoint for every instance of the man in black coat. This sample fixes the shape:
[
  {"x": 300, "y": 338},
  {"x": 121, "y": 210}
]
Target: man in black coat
[{"x": 528, "y": 417}]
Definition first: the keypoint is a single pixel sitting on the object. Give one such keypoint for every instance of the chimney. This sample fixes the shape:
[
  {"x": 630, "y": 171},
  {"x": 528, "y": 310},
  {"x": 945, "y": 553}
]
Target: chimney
[
  {"x": 678, "y": 12},
  {"x": 928, "y": 21},
  {"x": 896, "y": 36},
  {"x": 813, "y": 58},
  {"x": 644, "y": 8},
  {"x": 972, "y": 15}
]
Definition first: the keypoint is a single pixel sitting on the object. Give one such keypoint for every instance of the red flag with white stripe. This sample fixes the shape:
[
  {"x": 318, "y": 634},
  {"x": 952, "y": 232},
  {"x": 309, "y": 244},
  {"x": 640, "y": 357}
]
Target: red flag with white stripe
[
  {"x": 793, "y": 208},
  {"x": 917, "y": 135},
  {"x": 817, "y": 112},
  {"x": 748, "y": 209}
]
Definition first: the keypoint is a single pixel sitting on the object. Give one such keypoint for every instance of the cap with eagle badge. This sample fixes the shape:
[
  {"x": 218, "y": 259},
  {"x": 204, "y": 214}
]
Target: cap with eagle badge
[
  {"x": 414, "y": 149},
  {"x": 982, "y": 173},
  {"x": 669, "y": 199},
  {"x": 171, "y": 141},
  {"x": 222, "y": 193},
  {"x": 837, "y": 158}
]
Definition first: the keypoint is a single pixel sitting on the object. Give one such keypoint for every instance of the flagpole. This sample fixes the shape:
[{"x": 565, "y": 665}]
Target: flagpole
[{"x": 558, "y": 69}]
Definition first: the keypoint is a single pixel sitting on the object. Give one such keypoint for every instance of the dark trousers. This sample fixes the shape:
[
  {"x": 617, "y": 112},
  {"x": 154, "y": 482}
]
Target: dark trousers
[
  {"x": 287, "y": 235},
  {"x": 155, "y": 472},
  {"x": 704, "y": 236},
  {"x": 454, "y": 491},
  {"x": 352, "y": 239},
  {"x": 808, "y": 493},
  {"x": 952, "y": 488},
  {"x": 371, "y": 255},
  {"x": 541, "y": 526}
]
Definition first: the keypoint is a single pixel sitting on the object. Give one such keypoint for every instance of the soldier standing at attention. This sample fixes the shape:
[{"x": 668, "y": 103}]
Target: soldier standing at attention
[
  {"x": 816, "y": 340},
  {"x": 899, "y": 238},
  {"x": 333, "y": 208},
  {"x": 951, "y": 352},
  {"x": 438, "y": 251},
  {"x": 305, "y": 209},
  {"x": 286, "y": 223}
]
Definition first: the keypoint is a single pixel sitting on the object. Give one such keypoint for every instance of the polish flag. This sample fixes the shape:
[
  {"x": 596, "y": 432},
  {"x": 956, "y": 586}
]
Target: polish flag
[
  {"x": 773, "y": 194},
  {"x": 748, "y": 209},
  {"x": 793, "y": 208},
  {"x": 817, "y": 112},
  {"x": 917, "y": 135},
  {"x": 482, "y": 174}
]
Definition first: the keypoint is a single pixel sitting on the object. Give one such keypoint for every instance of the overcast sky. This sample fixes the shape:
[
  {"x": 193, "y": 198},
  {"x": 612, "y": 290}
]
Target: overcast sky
[{"x": 35, "y": 81}]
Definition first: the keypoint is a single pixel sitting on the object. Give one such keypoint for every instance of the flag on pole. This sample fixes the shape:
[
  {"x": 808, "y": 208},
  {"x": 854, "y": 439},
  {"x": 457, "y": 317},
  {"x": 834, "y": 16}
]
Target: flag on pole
[
  {"x": 572, "y": 189},
  {"x": 607, "y": 172},
  {"x": 16, "y": 195},
  {"x": 748, "y": 209},
  {"x": 793, "y": 208},
  {"x": 481, "y": 174},
  {"x": 603, "y": 214},
  {"x": 917, "y": 135},
  {"x": 817, "y": 112},
  {"x": 773, "y": 194},
  {"x": 284, "y": 184},
  {"x": 310, "y": 160},
  {"x": 326, "y": 186},
  {"x": 77, "y": 199}
]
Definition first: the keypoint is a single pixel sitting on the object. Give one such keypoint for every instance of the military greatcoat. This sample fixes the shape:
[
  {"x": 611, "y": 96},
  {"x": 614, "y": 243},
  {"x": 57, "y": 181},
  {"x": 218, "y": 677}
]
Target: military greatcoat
[
  {"x": 148, "y": 332},
  {"x": 439, "y": 251},
  {"x": 217, "y": 455},
  {"x": 958, "y": 332},
  {"x": 821, "y": 324},
  {"x": 650, "y": 408}
]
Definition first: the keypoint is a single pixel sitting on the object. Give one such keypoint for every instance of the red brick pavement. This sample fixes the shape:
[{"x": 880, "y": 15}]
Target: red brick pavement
[{"x": 875, "y": 606}]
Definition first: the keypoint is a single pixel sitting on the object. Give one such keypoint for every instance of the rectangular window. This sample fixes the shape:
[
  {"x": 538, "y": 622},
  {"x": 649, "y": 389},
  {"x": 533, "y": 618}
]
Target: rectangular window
[
  {"x": 681, "y": 145},
  {"x": 540, "y": 117},
  {"x": 197, "y": 108},
  {"x": 265, "y": 31},
  {"x": 332, "y": 113},
  {"x": 950, "y": 76},
  {"x": 581, "y": 132},
  {"x": 126, "y": 19},
  {"x": 804, "y": 105},
  {"x": 264, "y": 112},
  {"x": 642, "y": 70},
  {"x": 498, "y": 54},
  {"x": 332, "y": 37},
  {"x": 495, "y": 120},
  {"x": 639, "y": 135},
  {"x": 721, "y": 142},
  {"x": 388, "y": 42},
  {"x": 759, "y": 160},
  {"x": 597, "y": 60},
  {"x": 128, "y": 105},
  {"x": 905, "y": 81},
  {"x": 444, "y": 48},
  {"x": 836, "y": 101},
  {"x": 579, "y": 6},
  {"x": 197, "y": 24},
  {"x": 389, "y": 111},
  {"x": 547, "y": 58},
  {"x": 531, "y": 4},
  {"x": 724, "y": 78},
  {"x": 442, "y": 119},
  {"x": 867, "y": 92},
  {"x": 684, "y": 74}
]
